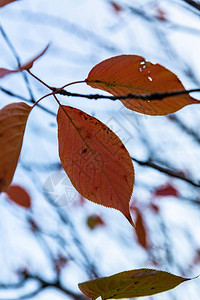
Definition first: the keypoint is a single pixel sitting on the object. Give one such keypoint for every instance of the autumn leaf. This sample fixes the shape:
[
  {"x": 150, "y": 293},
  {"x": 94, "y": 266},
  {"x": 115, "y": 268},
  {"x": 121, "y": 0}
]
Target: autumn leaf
[
  {"x": 116, "y": 7},
  {"x": 13, "y": 119},
  {"x": 95, "y": 159},
  {"x": 19, "y": 196},
  {"x": 166, "y": 190},
  {"x": 155, "y": 208},
  {"x": 124, "y": 74},
  {"x": 95, "y": 221},
  {"x": 161, "y": 14},
  {"x": 5, "y": 2},
  {"x": 141, "y": 230},
  {"x": 26, "y": 66},
  {"x": 129, "y": 284}
]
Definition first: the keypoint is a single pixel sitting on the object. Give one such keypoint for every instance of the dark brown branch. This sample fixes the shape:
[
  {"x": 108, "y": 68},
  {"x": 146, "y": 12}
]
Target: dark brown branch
[
  {"x": 42, "y": 285},
  {"x": 187, "y": 130},
  {"x": 15, "y": 54},
  {"x": 172, "y": 173},
  {"x": 193, "y": 4},
  {"x": 145, "y": 97},
  {"x": 10, "y": 93}
]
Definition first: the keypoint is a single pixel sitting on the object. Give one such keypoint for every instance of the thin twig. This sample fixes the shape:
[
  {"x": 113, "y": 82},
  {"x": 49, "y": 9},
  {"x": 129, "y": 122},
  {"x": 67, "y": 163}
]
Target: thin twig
[
  {"x": 13, "y": 50},
  {"x": 43, "y": 284},
  {"x": 175, "y": 174}
]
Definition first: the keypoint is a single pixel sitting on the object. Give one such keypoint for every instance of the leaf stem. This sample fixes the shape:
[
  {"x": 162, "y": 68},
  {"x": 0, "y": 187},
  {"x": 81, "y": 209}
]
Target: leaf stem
[
  {"x": 42, "y": 98},
  {"x": 71, "y": 83},
  {"x": 40, "y": 80}
]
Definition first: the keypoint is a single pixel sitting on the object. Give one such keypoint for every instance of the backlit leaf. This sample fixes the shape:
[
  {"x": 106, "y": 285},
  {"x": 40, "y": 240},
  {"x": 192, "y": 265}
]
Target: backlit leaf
[
  {"x": 5, "y": 2},
  {"x": 129, "y": 284},
  {"x": 95, "y": 159},
  {"x": 124, "y": 74},
  {"x": 26, "y": 66},
  {"x": 19, "y": 195},
  {"x": 13, "y": 119}
]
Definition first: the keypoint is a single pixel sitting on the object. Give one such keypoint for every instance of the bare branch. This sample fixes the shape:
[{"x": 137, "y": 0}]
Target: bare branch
[
  {"x": 193, "y": 4},
  {"x": 172, "y": 173},
  {"x": 145, "y": 97},
  {"x": 42, "y": 285},
  {"x": 14, "y": 52}
]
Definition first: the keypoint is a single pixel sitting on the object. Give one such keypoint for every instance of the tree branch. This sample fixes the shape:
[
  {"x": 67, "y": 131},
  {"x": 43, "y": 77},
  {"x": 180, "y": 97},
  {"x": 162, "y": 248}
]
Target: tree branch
[
  {"x": 42, "y": 285},
  {"x": 14, "y": 52},
  {"x": 145, "y": 97},
  {"x": 193, "y": 4},
  {"x": 187, "y": 130},
  {"x": 172, "y": 173}
]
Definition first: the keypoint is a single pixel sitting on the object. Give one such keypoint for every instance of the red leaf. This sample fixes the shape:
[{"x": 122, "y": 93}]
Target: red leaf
[
  {"x": 155, "y": 207},
  {"x": 19, "y": 195},
  {"x": 94, "y": 221},
  {"x": 26, "y": 66},
  {"x": 124, "y": 74},
  {"x": 95, "y": 159},
  {"x": 166, "y": 190},
  {"x": 116, "y": 7},
  {"x": 13, "y": 118},
  {"x": 5, "y": 2},
  {"x": 141, "y": 231}
]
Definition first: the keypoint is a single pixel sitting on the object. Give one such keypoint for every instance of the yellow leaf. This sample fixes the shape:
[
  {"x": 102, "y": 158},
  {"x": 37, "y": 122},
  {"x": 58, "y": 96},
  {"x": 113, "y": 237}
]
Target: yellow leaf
[{"x": 129, "y": 284}]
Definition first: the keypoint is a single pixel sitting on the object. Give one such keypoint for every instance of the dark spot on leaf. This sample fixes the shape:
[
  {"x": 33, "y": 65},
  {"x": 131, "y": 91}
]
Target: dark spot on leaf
[
  {"x": 85, "y": 118},
  {"x": 136, "y": 282},
  {"x": 122, "y": 147},
  {"x": 84, "y": 151},
  {"x": 89, "y": 136},
  {"x": 153, "y": 288},
  {"x": 118, "y": 290},
  {"x": 80, "y": 113},
  {"x": 125, "y": 178}
]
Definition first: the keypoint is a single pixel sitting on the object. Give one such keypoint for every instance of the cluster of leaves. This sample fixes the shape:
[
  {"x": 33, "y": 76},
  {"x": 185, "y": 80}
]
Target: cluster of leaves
[{"x": 95, "y": 159}]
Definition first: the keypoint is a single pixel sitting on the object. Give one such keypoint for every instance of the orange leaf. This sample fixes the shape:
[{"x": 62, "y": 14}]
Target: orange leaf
[
  {"x": 5, "y": 2},
  {"x": 26, "y": 66},
  {"x": 141, "y": 231},
  {"x": 124, "y": 74},
  {"x": 19, "y": 195},
  {"x": 13, "y": 119},
  {"x": 95, "y": 159}
]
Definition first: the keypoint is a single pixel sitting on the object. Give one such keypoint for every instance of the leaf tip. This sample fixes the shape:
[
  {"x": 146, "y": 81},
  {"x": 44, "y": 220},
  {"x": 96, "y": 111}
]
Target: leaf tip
[{"x": 129, "y": 218}]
